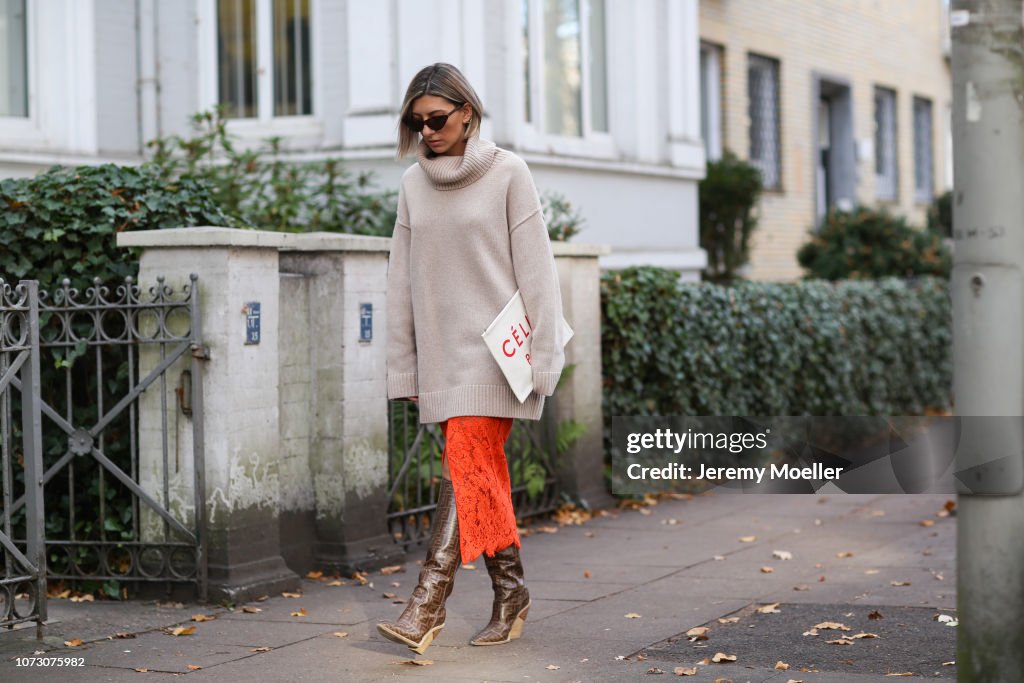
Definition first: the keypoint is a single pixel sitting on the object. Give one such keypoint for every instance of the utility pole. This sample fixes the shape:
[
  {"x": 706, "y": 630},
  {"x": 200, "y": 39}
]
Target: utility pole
[{"x": 988, "y": 326}]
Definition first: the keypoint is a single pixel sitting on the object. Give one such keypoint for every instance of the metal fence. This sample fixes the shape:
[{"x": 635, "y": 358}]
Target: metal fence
[
  {"x": 120, "y": 502},
  {"x": 23, "y": 582},
  {"x": 414, "y": 470}
]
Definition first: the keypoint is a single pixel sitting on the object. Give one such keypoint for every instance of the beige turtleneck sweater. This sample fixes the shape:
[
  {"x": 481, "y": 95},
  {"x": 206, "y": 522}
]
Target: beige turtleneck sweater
[{"x": 470, "y": 231}]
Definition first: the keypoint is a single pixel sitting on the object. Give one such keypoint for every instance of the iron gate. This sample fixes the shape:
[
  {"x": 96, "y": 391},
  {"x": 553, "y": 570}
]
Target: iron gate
[
  {"x": 414, "y": 470},
  {"x": 121, "y": 506},
  {"x": 23, "y": 582}
]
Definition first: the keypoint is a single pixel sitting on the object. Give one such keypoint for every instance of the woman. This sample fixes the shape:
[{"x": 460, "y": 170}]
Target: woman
[{"x": 469, "y": 233}]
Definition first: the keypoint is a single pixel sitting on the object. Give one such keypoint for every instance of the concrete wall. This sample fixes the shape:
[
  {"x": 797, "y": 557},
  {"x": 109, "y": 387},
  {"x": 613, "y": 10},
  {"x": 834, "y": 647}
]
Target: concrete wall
[
  {"x": 897, "y": 45},
  {"x": 296, "y": 430}
]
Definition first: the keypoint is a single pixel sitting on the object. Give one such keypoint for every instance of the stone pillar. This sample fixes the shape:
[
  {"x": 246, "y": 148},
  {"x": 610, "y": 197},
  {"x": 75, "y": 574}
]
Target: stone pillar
[
  {"x": 240, "y": 396},
  {"x": 348, "y": 446},
  {"x": 581, "y": 469}
]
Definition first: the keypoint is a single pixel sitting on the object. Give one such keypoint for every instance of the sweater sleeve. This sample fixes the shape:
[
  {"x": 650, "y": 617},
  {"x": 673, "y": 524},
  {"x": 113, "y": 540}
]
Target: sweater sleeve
[
  {"x": 401, "y": 351},
  {"x": 537, "y": 278}
]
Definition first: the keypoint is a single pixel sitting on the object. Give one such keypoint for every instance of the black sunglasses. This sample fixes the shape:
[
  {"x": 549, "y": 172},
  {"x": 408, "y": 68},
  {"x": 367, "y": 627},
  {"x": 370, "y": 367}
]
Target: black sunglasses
[{"x": 434, "y": 123}]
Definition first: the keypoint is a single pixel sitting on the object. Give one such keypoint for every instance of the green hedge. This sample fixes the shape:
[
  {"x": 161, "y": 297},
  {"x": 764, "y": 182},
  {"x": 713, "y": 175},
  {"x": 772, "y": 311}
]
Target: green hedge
[{"x": 811, "y": 348}]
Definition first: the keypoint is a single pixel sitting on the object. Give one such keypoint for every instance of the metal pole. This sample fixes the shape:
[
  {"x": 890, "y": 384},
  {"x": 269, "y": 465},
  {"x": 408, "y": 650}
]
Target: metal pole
[
  {"x": 32, "y": 433},
  {"x": 988, "y": 318}
]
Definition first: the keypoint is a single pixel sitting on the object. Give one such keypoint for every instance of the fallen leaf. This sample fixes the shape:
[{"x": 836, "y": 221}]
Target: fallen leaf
[
  {"x": 171, "y": 605},
  {"x": 821, "y": 579},
  {"x": 340, "y": 634},
  {"x": 419, "y": 662},
  {"x": 722, "y": 657},
  {"x": 950, "y": 505},
  {"x": 781, "y": 666},
  {"x": 845, "y": 553},
  {"x": 927, "y": 522},
  {"x": 202, "y": 617},
  {"x": 773, "y": 608},
  {"x": 393, "y": 569},
  {"x": 291, "y": 595},
  {"x": 619, "y": 658},
  {"x": 183, "y": 630},
  {"x": 719, "y": 558},
  {"x": 905, "y": 673},
  {"x": 77, "y": 642},
  {"x": 252, "y": 610},
  {"x": 811, "y": 632},
  {"x": 767, "y": 570},
  {"x": 698, "y": 633},
  {"x": 142, "y": 671},
  {"x": 314, "y": 575},
  {"x": 899, "y": 583},
  {"x": 654, "y": 670},
  {"x": 795, "y": 680},
  {"x": 871, "y": 572},
  {"x": 704, "y": 661},
  {"x": 388, "y": 595},
  {"x": 747, "y": 539},
  {"x": 260, "y": 649},
  {"x": 728, "y": 620},
  {"x": 840, "y": 641},
  {"x": 300, "y": 613},
  {"x": 782, "y": 555},
  {"x": 802, "y": 587},
  {"x": 124, "y": 636},
  {"x": 641, "y": 657},
  {"x": 723, "y": 680},
  {"x": 399, "y": 601},
  {"x": 632, "y": 615},
  {"x": 949, "y": 664},
  {"x": 194, "y": 667},
  {"x": 863, "y": 635},
  {"x": 360, "y": 577},
  {"x": 586, "y": 573},
  {"x": 685, "y": 671},
  {"x": 263, "y": 598},
  {"x": 470, "y": 567},
  {"x": 875, "y": 615},
  {"x": 548, "y": 529},
  {"x": 81, "y": 598},
  {"x": 927, "y": 552},
  {"x": 552, "y": 667},
  {"x": 832, "y": 625},
  {"x": 336, "y": 583},
  {"x": 644, "y": 511}
]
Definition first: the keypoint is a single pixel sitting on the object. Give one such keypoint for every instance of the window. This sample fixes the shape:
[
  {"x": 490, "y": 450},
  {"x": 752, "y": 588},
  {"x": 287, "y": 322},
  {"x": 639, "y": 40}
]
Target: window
[
  {"x": 13, "y": 59},
  {"x": 254, "y": 33},
  {"x": 885, "y": 144},
  {"x": 710, "y": 100},
  {"x": 763, "y": 93},
  {"x": 565, "y": 66},
  {"x": 923, "y": 164}
]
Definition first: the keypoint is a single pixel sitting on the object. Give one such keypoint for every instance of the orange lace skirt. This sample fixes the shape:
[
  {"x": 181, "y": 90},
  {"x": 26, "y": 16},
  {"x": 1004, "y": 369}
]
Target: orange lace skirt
[{"x": 474, "y": 448}]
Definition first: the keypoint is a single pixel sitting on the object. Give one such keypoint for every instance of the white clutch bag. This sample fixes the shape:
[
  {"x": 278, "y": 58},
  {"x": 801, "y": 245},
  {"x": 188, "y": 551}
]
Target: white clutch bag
[{"x": 508, "y": 338}]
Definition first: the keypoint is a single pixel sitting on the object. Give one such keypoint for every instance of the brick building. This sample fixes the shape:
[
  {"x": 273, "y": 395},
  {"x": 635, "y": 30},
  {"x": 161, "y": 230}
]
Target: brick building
[{"x": 838, "y": 102}]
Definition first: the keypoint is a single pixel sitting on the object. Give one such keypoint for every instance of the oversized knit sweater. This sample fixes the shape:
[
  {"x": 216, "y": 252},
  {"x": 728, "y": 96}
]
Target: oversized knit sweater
[{"x": 469, "y": 232}]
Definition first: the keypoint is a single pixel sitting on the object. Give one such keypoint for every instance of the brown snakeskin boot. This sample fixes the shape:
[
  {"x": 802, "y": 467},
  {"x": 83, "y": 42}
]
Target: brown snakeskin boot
[
  {"x": 511, "y": 599},
  {"x": 423, "y": 617}
]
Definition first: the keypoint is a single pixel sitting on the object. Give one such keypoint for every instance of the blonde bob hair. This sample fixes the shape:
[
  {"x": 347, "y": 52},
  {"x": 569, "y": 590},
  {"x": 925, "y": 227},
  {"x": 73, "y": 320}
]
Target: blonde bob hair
[{"x": 442, "y": 80}]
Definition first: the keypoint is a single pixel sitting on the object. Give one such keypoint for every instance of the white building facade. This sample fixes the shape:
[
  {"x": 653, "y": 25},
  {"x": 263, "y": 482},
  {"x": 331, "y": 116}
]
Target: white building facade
[{"x": 601, "y": 97}]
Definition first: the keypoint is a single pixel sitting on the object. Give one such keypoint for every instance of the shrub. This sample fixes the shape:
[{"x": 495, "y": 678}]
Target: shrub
[
  {"x": 940, "y": 215},
  {"x": 728, "y": 195},
  {"x": 773, "y": 349},
  {"x": 562, "y": 219},
  {"x": 870, "y": 243}
]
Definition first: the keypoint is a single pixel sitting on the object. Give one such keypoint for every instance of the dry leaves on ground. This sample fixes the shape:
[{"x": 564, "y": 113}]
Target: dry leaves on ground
[
  {"x": 728, "y": 620},
  {"x": 773, "y": 608},
  {"x": 654, "y": 670},
  {"x": 182, "y": 631},
  {"x": 722, "y": 657},
  {"x": 782, "y": 555},
  {"x": 904, "y": 673},
  {"x": 300, "y": 613},
  {"x": 193, "y": 667},
  {"x": 844, "y": 553},
  {"x": 840, "y": 641},
  {"x": 802, "y": 587},
  {"x": 252, "y": 610},
  {"x": 340, "y": 634},
  {"x": 632, "y": 615},
  {"x": 360, "y": 577},
  {"x": 142, "y": 670},
  {"x": 698, "y": 633},
  {"x": 857, "y": 636},
  {"x": 685, "y": 671},
  {"x": 781, "y": 666},
  {"x": 260, "y": 649},
  {"x": 336, "y": 582},
  {"x": 203, "y": 617},
  {"x": 747, "y": 539},
  {"x": 417, "y": 662},
  {"x": 87, "y": 597},
  {"x": 767, "y": 570},
  {"x": 875, "y": 615},
  {"x": 586, "y": 574},
  {"x": 75, "y": 642},
  {"x": 552, "y": 667},
  {"x": 832, "y": 625},
  {"x": 286, "y": 594},
  {"x": 393, "y": 569},
  {"x": 314, "y": 575},
  {"x": 899, "y": 583}
]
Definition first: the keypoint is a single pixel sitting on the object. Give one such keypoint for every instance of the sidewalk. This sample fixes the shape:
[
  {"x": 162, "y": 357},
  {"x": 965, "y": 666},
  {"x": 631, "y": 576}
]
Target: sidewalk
[{"x": 669, "y": 567}]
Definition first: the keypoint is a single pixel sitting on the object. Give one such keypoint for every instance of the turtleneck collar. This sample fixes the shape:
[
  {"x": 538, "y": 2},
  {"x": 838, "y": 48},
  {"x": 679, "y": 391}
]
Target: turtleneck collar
[{"x": 454, "y": 172}]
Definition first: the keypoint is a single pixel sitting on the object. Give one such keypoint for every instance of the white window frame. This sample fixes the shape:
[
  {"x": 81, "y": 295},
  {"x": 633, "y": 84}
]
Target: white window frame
[
  {"x": 27, "y": 130},
  {"x": 591, "y": 143},
  {"x": 711, "y": 101},
  {"x": 294, "y": 128},
  {"x": 887, "y": 186},
  {"x": 924, "y": 195}
]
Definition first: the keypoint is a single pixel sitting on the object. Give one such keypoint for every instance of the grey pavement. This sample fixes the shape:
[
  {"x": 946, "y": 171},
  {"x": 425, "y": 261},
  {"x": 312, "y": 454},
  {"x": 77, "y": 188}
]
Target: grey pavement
[{"x": 612, "y": 601}]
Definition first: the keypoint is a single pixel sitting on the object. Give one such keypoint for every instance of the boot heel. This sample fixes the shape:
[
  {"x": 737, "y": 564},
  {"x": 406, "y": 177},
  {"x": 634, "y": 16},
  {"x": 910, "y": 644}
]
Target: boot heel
[
  {"x": 517, "y": 625},
  {"x": 427, "y": 640}
]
